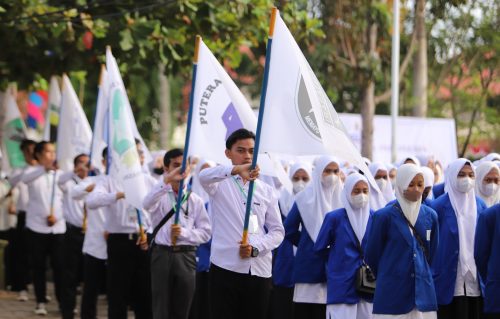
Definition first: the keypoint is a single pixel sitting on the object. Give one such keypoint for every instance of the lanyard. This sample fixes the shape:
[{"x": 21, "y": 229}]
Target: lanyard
[
  {"x": 174, "y": 202},
  {"x": 242, "y": 191}
]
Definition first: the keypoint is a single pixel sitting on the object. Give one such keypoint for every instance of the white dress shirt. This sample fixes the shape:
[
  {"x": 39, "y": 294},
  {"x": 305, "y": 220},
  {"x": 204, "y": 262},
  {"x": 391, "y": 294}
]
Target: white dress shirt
[
  {"x": 193, "y": 218},
  {"x": 40, "y": 188},
  {"x": 7, "y": 220},
  {"x": 228, "y": 213},
  {"x": 120, "y": 217},
  {"x": 72, "y": 209},
  {"x": 15, "y": 180},
  {"x": 466, "y": 285},
  {"x": 94, "y": 242}
]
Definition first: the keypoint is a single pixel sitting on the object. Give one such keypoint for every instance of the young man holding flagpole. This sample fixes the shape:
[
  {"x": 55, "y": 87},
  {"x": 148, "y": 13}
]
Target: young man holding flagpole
[{"x": 240, "y": 275}]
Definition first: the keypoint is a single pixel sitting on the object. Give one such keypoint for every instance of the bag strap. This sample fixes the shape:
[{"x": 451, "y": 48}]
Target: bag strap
[{"x": 415, "y": 233}]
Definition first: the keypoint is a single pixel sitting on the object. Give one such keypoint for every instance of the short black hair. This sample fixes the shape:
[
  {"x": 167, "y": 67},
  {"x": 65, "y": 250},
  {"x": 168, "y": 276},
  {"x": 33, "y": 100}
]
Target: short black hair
[
  {"x": 26, "y": 143},
  {"x": 39, "y": 147},
  {"x": 238, "y": 135},
  {"x": 77, "y": 158},
  {"x": 173, "y": 153},
  {"x": 105, "y": 153},
  {"x": 137, "y": 141}
]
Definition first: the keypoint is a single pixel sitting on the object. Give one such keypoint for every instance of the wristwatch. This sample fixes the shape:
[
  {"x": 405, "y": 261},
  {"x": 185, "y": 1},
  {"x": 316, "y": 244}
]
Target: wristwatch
[{"x": 255, "y": 252}]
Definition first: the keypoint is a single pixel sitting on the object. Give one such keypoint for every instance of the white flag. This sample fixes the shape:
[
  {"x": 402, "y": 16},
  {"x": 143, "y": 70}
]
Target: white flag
[
  {"x": 52, "y": 113},
  {"x": 100, "y": 129},
  {"x": 13, "y": 134},
  {"x": 299, "y": 118},
  {"x": 124, "y": 158},
  {"x": 219, "y": 109}
]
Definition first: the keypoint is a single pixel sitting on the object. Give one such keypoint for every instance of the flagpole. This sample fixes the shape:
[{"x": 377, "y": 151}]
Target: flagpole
[
  {"x": 394, "y": 78},
  {"x": 274, "y": 12},
  {"x": 188, "y": 130},
  {"x": 103, "y": 68},
  {"x": 108, "y": 118}
]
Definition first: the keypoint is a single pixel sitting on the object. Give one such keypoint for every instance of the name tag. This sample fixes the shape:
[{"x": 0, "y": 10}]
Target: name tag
[
  {"x": 132, "y": 214},
  {"x": 428, "y": 234},
  {"x": 253, "y": 224}
]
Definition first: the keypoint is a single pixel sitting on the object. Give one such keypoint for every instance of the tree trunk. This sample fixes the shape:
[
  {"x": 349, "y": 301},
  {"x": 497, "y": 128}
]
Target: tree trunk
[
  {"x": 367, "y": 115},
  {"x": 164, "y": 100},
  {"x": 420, "y": 63}
]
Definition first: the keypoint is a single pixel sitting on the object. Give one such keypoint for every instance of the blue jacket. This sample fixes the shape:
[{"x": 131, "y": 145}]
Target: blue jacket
[
  {"x": 203, "y": 256},
  {"x": 404, "y": 278},
  {"x": 444, "y": 266},
  {"x": 487, "y": 256},
  {"x": 438, "y": 190},
  {"x": 309, "y": 266},
  {"x": 283, "y": 264},
  {"x": 338, "y": 237}
]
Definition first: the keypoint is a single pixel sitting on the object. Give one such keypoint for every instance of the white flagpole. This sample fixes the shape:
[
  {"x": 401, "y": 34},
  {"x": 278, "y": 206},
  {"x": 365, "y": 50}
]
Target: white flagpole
[{"x": 394, "y": 78}]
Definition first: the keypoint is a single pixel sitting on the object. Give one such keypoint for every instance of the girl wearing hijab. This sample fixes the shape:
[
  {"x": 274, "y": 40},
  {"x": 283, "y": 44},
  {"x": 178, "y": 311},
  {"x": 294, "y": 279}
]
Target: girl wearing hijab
[
  {"x": 381, "y": 176},
  {"x": 400, "y": 246},
  {"x": 343, "y": 236},
  {"x": 282, "y": 294},
  {"x": 454, "y": 269},
  {"x": 302, "y": 227},
  {"x": 488, "y": 176},
  {"x": 428, "y": 183}
]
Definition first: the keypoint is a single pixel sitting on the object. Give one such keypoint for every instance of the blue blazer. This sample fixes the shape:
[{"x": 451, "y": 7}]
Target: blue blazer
[
  {"x": 444, "y": 266},
  {"x": 404, "y": 278},
  {"x": 283, "y": 264},
  {"x": 438, "y": 190},
  {"x": 308, "y": 266},
  {"x": 487, "y": 256},
  {"x": 338, "y": 238}
]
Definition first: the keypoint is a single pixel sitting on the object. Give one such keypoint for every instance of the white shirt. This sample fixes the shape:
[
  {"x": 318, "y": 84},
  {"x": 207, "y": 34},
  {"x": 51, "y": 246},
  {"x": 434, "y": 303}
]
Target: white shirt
[
  {"x": 15, "y": 179},
  {"x": 94, "y": 242},
  {"x": 40, "y": 186},
  {"x": 72, "y": 209},
  {"x": 7, "y": 220},
  {"x": 195, "y": 226},
  {"x": 228, "y": 214},
  {"x": 466, "y": 285},
  {"x": 120, "y": 216}
]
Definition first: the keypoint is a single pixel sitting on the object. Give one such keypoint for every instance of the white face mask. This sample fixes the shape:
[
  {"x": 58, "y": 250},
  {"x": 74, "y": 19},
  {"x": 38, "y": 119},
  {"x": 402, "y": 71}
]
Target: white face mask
[
  {"x": 329, "y": 180},
  {"x": 490, "y": 189},
  {"x": 359, "y": 201},
  {"x": 465, "y": 184},
  {"x": 298, "y": 186},
  {"x": 381, "y": 183}
]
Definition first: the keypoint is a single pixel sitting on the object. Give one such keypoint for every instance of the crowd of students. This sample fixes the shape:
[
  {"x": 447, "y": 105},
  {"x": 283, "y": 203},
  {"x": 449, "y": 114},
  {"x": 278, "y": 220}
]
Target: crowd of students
[{"x": 415, "y": 241}]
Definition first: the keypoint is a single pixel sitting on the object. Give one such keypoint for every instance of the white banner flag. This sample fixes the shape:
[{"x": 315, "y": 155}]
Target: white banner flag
[
  {"x": 299, "y": 118},
  {"x": 100, "y": 129},
  {"x": 52, "y": 113},
  {"x": 13, "y": 134},
  {"x": 74, "y": 133},
  {"x": 124, "y": 158}
]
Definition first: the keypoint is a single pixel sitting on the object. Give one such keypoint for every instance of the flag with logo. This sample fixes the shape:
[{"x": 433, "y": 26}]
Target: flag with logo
[
  {"x": 74, "y": 134},
  {"x": 299, "y": 118},
  {"x": 125, "y": 165},
  {"x": 52, "y": 113},
  {"x": 13, "y": 133}
]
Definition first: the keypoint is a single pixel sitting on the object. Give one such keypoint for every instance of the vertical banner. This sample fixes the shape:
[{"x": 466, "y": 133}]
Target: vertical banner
[{"x": 52, "y": 113}]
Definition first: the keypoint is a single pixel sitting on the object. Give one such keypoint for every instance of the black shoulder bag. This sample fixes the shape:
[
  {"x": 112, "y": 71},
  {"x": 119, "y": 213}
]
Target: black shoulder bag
[
  {"x": 415, "y": 234},
  {"x": 365, "y": 278}
]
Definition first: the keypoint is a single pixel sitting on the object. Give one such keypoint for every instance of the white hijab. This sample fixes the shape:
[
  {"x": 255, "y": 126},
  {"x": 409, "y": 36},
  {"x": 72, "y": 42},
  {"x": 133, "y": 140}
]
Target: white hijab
[
  {"x": 481, "y": 171},
  {"x": 196, "y": 185},
  {"x": 387, "y": 191},
  {"x": 358, "y": 217},
  {"x": 316, "y": 200},
  {"x": 464, "y": 205},
  {"x": 405, "y": 175},
  {"x": 491, "y": 157},
  {"x": 413, "y": 158},
  {"x": 428, "y": 179},
  {"x": 288, "y": 198}
]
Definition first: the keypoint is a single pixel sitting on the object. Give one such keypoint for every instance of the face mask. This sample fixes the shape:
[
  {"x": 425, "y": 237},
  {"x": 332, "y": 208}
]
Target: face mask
[
  {"x": 298, "y": 186},
  {"x": 465, "y": 184},
  {"x": 158, "y": 170},
  {"x": 490, "y": 189},
  {"x": 329, "y": 180},
  {"x": 381, "y": 183},
  {"x": 359, "y": 201},
  {"x": 412, "y": 196}
]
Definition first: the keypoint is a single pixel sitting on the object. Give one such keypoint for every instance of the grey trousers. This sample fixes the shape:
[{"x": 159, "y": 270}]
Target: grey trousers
[{"x": 173, "y": 281}]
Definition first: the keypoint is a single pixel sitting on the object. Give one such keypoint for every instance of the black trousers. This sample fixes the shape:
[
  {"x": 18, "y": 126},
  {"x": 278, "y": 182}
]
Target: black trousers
[
  {"x": 19, "y": 252},
  {"x": 235, "y": 295},
  {"x": 94, "y": 274},
  {"x": 73, "y": 266},
  {"x": 201, "y": 308},
  {"x": 128, "y": 277},
  {"x": 7, "y": 257},
  {"x": 281, "y": 306},
  {"x": 173, "y": 280},
  {"x": 462, "y": 307},
  {"x": 43, "y": 246},
  {"x": 309, "y": 310}
]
